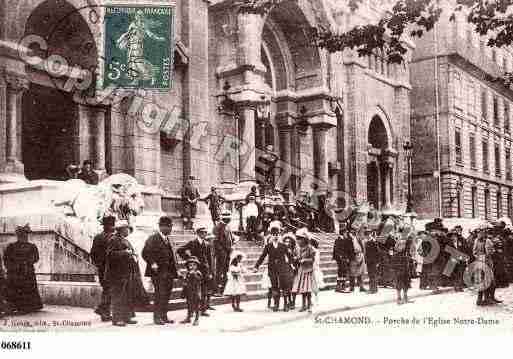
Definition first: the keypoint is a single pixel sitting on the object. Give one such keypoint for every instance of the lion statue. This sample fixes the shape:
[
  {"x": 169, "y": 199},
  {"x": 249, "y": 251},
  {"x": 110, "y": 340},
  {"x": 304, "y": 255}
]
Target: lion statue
[{"x": 118, "y": 195}]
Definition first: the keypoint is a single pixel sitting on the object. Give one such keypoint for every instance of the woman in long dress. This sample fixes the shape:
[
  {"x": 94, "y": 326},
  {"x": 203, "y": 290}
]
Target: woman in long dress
[
  {"x": 20, "y": 257},
  {"x": 401, "y": 264},
  {"x": 318, "y": 276},
  {"x": 304, "y": 281}
]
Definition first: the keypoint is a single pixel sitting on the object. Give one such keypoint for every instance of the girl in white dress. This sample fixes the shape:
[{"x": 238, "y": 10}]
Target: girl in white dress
[{"x": 235, "y": 286}]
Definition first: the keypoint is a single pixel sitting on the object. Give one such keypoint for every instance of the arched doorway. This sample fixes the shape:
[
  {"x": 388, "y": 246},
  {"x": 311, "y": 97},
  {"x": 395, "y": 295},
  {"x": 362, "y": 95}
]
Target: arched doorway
[
  {"x": 54, "y": 134},
  {"x": 379, "y": 166}
]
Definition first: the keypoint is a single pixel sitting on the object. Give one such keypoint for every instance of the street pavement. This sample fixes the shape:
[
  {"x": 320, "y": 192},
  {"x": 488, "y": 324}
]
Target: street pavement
[{"x": 334, "y": 313}]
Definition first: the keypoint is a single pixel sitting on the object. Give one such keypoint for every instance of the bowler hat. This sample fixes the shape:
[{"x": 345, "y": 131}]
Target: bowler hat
[
  {"x": 165, "y": 221},
  {"x": 109, "y": 221},
  {"x": 23, "y": 229}
]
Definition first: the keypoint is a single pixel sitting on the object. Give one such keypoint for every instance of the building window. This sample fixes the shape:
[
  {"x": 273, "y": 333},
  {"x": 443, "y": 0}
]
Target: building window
[
  {"x": 484, "y": 105},
  {"x": 509, "y": 205},
  {"x": 471, "y": 99},
  {"x": 486, "y": 167},
  {"x": 499, "y": 204},
  {"x": 487, "y": 203},
  {"x": 457, "y": 91},
  {"x": 507, "y": 159},
  {"x": 474, "y": 202},
  {"x": 506, "y": 116},
  {"x": 472, "y": 147},
  {"x": 457, "y": 146},
  {"x": 496, "y": 112},
  {"x": 497, "y": 160}
]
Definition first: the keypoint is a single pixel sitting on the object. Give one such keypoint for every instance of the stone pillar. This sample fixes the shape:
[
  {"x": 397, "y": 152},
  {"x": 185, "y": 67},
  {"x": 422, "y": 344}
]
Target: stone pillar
[
  {"x": 285, "y": 136},
  {"x": 99, "y": 141},
  {"x": 12, "y": 169},
  {"x": 247, "y": 153},
  {"x": 320, "y": 156},
  {"x": 82, "y": 135},
  {"x": 387, "y": 176}
]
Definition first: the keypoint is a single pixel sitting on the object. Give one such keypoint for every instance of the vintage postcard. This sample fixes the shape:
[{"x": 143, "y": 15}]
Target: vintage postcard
[{"x": 261, "y": 167}]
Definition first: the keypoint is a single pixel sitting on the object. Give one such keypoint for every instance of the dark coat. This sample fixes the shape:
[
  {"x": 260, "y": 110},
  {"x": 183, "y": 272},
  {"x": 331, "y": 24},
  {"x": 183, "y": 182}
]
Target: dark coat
[
  {"x": 280, "y": 258},
  {"x": 159, "y": 250},
  {"x": 224, "y": 240},
  {"x": 201, "y": 251},
  {"x": 343, "y": 249},
  {"x": 190, "y": 195},
  {"x": 22, "y": 291},
  {"x": 89, "y": 177},
  {"x": 99, "y": 252},
  {"x": 372, "y": 253}
]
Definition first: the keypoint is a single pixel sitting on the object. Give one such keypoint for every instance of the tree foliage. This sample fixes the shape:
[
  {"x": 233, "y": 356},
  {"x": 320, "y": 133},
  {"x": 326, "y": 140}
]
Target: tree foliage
[{"x": 493, "y": 18}]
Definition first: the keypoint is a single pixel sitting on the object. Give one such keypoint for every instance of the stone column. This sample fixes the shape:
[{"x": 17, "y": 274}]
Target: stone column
[
  {"x": 13, "y": 169},
  {"x": 247, "y": 153},
  {"x": 285, "y": 136},
  {"x": 320, "y": 156},
  {"x": 99, "y": 141},
  {"x": 82, "y": 135},
  {"x": 387, "y": 175}
]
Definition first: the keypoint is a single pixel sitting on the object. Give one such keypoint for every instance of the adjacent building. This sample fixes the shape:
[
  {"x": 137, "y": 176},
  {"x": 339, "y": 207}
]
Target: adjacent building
[{"x": 461, "y": 124}]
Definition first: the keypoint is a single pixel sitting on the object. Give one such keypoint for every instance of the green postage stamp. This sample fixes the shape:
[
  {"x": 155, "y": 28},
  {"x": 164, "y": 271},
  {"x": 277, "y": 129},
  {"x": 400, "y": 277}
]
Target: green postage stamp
[{"x": 139, "y": 46}]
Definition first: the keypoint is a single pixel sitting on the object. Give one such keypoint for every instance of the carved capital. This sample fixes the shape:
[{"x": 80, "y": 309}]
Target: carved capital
[{"x": 16, "y": 82}]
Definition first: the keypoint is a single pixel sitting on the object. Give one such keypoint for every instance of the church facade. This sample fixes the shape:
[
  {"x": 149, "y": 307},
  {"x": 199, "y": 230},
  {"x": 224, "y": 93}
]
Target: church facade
[{"x": 243, "y": 82}]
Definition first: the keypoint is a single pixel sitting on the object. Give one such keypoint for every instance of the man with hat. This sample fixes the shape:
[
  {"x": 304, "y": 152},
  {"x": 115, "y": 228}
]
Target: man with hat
[
  {"x": 372, "y": 259},
  {"x": 190, "y": 196},
  {"x": 199, "y": 249},
  {"x": 123, "y": 277},
  {"x": 223, "y": 248},
  {"x": 278, "y": 266},
  {"x": 19, "y": 258},
  {"x": 161, "y": 267},
  {"x": 87, "y": 173},
  {"x": 251, "y": 212},
  {"x": 98, "y": 257},
  {"x": 214, "y": 201},
  {"x": 343, "y": 253}
]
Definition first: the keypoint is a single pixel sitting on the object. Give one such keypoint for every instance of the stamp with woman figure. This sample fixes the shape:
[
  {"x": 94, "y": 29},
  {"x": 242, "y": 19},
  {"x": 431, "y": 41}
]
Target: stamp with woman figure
[{"x": 138, "y": 46}]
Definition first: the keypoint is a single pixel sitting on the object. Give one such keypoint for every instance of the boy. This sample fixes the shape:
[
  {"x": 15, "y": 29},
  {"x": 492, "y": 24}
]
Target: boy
[{"x": 192, "y": 290}]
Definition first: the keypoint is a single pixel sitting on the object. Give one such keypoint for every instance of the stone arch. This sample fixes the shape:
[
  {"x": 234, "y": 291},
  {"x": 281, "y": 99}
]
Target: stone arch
[
  {"x": 381, "y": 122},
  {"x": 305, "y": 62},
  {"x": 15, "y": 28}
]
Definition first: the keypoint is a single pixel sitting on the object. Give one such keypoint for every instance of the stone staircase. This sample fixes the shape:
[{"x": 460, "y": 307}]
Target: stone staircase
[
  {"x": 67, "y": 277},
  {"x": 254, "y": 281}
]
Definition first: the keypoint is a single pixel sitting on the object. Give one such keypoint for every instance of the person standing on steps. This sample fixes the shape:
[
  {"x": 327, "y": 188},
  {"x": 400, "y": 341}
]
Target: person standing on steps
[
  {"x": 214, "y": 201},
  {"x": 199, "y": 249},
  {"x": 278, "y": 264},
  {"x": 161, "y": 267},
  {"x": 343, "y": 253},
  {"x": 98, "y": 256},
  {"x": 190, "y": 196},
  {"x": 223, "y": 248},
  {"x": 87, "y": 173}
]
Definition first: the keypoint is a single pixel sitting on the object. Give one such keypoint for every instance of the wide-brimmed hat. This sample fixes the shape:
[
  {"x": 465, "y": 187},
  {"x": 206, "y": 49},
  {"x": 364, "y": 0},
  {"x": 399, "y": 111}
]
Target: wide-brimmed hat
[
  {"x": 23, "y": 229},
  {"x": 201, "y": 229},
  {"x": 275, "y": 224},
  {"x": 192, "y": 260},
  {"x": 121, "y": 223},
  {"x": 109, "y": 221},
  {"x": 237, "y": 253},
  {"x": 226, "y": 214},
  {"x": 303, "y": 233}
]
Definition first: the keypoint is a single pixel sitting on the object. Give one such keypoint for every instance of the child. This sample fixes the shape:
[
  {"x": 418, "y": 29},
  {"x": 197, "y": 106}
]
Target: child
[
  {"x": 304, "y": 281},
  {"x": 235, "y": 285},
  {"x": 318, "y": 282},
  {"x": 192, "y": 290}
]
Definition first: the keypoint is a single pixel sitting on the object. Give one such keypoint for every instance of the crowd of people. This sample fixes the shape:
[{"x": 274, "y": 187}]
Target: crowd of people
[{"x": 214, "y": 267}]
